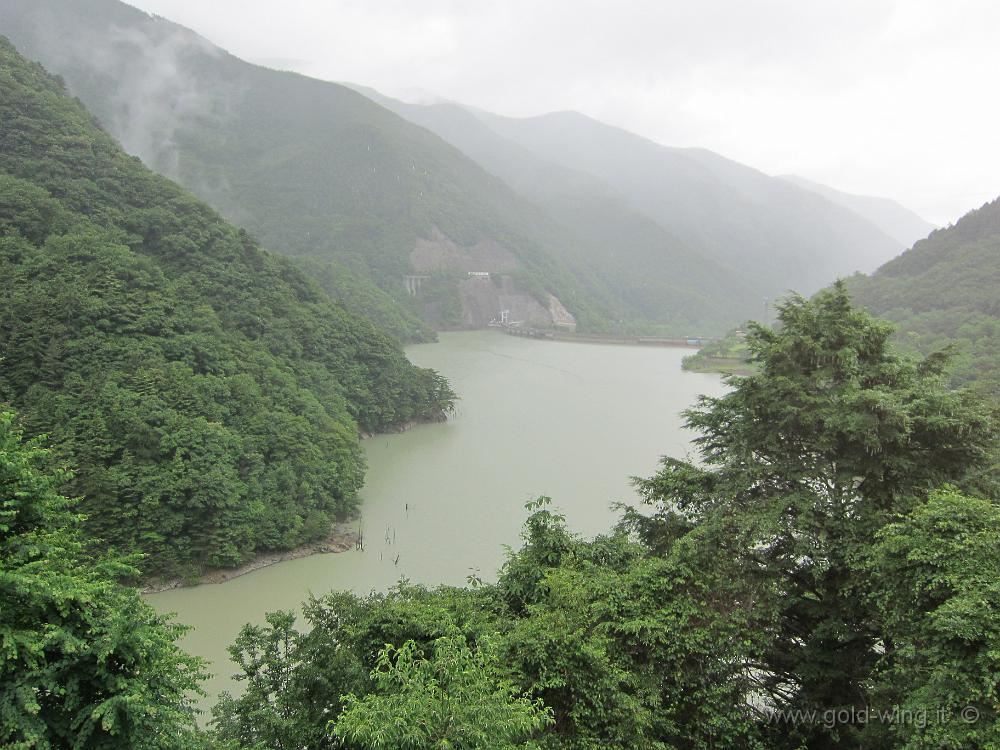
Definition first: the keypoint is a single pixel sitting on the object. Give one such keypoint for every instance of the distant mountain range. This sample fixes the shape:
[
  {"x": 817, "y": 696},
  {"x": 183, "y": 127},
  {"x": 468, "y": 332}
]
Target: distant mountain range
[
  {"x": 573, "y": 219},
  {"x": 776, "y": 235},
  {"x": 895, "y": 220},
  {"x": 773, "y": 234},
  {"x": 313, "y": 169},
  {"x": 643, "y": 262}
]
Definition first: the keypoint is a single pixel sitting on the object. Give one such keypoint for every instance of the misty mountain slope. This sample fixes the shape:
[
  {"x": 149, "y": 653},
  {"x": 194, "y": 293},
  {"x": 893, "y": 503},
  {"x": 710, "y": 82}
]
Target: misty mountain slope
[
  {"x": 946, "y": 288},
  {"x": 313, "y": 169},
  {"x": 775, "y": 234},
  {"x": 895, "y": 220},
  {"x": 207, "y": 393},
  {"x": 642, "y": 262}
]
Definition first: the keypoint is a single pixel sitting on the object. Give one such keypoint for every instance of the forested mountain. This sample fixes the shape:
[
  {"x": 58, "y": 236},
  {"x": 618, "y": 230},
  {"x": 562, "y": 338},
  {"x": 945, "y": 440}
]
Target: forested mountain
[
  {"x": 897, "y": 221},
  {"x": 664, "y": 278},
  {"x": 776, "y": 235},
  {"x": 208, "y": 393},
  {"x": 313, "y": 169},
  {"x": 621, "y": 231},
  {"x": 946, "y": 289},
  {"x": 686, "y": 225}
]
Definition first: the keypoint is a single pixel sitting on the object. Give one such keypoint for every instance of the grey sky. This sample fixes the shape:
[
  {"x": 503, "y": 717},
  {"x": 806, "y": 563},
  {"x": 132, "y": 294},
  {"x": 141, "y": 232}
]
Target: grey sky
[{"x": 884, "y": 97}]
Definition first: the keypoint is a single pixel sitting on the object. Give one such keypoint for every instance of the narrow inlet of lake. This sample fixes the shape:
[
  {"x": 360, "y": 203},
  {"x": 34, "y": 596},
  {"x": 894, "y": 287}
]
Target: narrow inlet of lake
[{"x": 567, "y": 420}]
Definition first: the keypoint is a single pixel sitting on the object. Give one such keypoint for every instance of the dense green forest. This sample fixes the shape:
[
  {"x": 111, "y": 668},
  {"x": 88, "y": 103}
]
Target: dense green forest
[
  {"x": 823, "y": 572},
  {"x": 940, "y": 294},
  {"x": 944, "y": 291},
  {"x": 825, "y": 575},
  {"x": 209, "y": 394},
  {"x": 86, "y": 663}
]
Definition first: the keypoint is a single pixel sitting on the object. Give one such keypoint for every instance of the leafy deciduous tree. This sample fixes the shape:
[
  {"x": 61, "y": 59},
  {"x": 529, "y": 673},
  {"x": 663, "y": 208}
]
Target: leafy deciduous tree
[
  {"x": 452, "y": 700},
  {"x": 84, "y": 662}
]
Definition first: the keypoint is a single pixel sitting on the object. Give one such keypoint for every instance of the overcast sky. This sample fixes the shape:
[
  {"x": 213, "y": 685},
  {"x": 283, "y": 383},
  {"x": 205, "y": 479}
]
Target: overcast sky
[{"x": 883, "y": 97}]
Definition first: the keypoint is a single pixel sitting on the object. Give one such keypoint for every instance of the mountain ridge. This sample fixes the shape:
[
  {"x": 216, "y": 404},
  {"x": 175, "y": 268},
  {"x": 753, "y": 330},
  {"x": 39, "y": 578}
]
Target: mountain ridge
[
  {"x": 899, "y": 222},
  {"x": 312, "y": 168},
  {"x": 209, "y": 394},
  {"x": 357, "y": 193},
  {"x": 648, "y": 264},
  {"x": 944, "y": 291},
  {"x": 702, "y": 202}
]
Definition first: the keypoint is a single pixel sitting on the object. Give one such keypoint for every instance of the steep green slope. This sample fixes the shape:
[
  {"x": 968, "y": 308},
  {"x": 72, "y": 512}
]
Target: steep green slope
[
  {"x": 208, "y": 392},
  {"x": 897, "y": 221},
  {"x": 946, "y": 289},
  {"x": 311, "y": 168},
  {"x": 661, "y": 278},
  {"x": 776, "y": 235}
]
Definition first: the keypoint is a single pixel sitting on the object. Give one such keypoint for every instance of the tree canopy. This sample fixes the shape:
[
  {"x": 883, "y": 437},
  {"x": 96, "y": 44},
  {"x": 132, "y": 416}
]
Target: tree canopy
[
  {"x": 450, "y": 700},
  {"x": 943, "y": 291},
  {"x": 84, "y": 661},
  {"x": 823, "y": 576},
  {"x": 208, "y": 394},
  {"x": 803, "y": 464}
]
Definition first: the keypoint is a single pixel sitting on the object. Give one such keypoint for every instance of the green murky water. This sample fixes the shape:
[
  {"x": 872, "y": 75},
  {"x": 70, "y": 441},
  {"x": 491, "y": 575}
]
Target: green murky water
[{"x": 572, "y": 421}]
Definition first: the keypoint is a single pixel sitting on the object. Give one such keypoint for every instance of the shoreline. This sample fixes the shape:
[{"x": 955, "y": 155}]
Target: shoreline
[
  {"x": 719, "y": 365},
  {"x": 343, "y": 536},
  {"x": 690, "y": 342},
  {"x": 403, "y": 426}
]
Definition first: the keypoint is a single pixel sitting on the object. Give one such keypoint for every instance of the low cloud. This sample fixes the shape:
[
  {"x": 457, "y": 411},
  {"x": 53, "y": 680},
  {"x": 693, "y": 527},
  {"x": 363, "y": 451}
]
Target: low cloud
[{"x": 889, "y": 97}]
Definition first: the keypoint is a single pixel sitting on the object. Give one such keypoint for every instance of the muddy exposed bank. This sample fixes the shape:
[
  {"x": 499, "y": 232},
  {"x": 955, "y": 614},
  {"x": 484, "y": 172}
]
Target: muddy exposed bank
[{"x": 343, "y": 536}]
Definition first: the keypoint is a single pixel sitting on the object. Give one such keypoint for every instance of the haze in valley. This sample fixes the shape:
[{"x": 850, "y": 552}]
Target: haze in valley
[{"x": 882, "y": 97}]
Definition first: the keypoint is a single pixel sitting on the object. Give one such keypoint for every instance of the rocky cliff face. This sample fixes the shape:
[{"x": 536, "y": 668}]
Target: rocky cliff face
[
  {"x": 484, "y": 300},
  {"x": 470, "y": 286},
  {"x": 440, "y": 253},
  {"x": 561, "y": 317}
]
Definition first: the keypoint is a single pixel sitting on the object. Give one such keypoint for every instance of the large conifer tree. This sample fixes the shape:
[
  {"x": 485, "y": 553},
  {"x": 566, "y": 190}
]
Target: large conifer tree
[{"x": 802, "y": 463}]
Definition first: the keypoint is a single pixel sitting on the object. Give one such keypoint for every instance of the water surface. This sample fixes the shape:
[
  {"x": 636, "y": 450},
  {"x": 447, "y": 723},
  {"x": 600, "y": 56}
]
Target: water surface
[{"x": 572, "y": 421}]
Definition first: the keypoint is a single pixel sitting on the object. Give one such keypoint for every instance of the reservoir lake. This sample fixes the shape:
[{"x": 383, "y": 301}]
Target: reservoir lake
[{"x": 569, "y": 420}]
